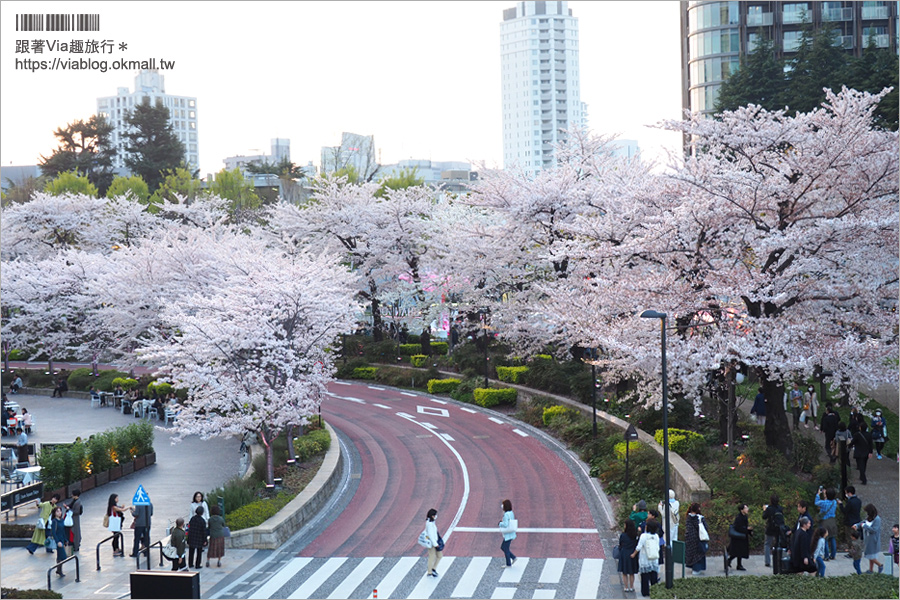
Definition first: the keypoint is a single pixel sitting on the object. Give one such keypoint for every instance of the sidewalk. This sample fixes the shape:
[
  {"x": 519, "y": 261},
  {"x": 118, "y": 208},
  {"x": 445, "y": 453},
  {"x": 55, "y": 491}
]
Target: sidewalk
[{"x": 180, "y": 470}]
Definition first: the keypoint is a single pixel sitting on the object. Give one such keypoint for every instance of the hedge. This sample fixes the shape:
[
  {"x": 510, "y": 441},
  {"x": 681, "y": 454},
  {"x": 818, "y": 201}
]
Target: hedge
[
  {"x": 488, "y": 397},
  {"x": 410, "y": 349},
  {"x": 511, "y": 374},
  {"x": 551, "y": 413},
  {"x": 36, "y": 593},
  {"x": 127, "y": 383},
  {"x": 161, "y": 388},
  {"x": 442, "y": 386},
  {"x": 780, "y": 586},
  {"x": 681, "y": 441},
  {"x": 440, "y": 348},
  {"x": 256, "y": 513},
  {"x": 81, "y": 379},
  {"x": 312, "y": 443},
  {"x": 418, "y": 360},
  {"x": 104, "y": 380},
  {"x": 364, "y": 372},
  {"x": 632, "y": 446}
]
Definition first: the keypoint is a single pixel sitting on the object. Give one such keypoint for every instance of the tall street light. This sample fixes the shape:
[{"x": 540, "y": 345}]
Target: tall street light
[{"x": 652, "y": 314}]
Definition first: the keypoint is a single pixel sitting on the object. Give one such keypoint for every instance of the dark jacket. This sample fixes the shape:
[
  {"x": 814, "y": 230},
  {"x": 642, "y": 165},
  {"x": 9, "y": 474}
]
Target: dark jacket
[
  {"x": 830, "y": 422},
  {"x": 216, "y": 526},
  {"x": 738, "y": 546},
  {"x": 693, "y": 547},
  {"x": 800, "y": 549},
  {"x": 627, "y": 564},
  {"x": 862, "y": 444},
  {"x": 58, "y": 532},
  {"x": 773, "y": 522},
  {"x": 142, "y": 514},
  {"x": 850, "y": 508},
  {"x": 197, "y": 532}
]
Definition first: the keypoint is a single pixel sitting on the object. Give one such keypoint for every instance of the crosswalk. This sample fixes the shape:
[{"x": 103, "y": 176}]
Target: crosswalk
[{"x": 460, "y": 577}]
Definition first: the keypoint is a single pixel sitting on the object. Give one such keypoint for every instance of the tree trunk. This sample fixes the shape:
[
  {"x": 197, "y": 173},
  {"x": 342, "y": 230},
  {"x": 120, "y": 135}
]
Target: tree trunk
[
  {"x": 777, "y": 430},
  {"x": 290, "y": 444},
  {"x": 270, "y": 459},
  {"x": 377, "y": 334}
]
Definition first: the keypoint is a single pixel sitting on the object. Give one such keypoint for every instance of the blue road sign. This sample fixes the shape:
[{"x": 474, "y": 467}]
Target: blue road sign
[{"x": 140, "y": 497}]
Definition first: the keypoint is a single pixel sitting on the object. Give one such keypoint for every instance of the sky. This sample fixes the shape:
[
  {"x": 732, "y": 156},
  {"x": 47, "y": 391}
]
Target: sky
[{"x": 422, "y": 77}]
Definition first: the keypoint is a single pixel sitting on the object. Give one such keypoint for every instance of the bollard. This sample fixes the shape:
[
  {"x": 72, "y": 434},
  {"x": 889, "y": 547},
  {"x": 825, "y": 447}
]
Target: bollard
[{"x": 375, "y": 593}]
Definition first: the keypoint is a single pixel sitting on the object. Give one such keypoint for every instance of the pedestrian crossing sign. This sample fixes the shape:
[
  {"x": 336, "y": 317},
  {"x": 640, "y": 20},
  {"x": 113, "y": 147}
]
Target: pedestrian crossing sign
[{"x": 140, "y": 497}]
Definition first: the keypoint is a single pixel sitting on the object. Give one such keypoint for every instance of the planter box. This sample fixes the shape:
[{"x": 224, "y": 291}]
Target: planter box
[
  {"x": 128, "y": 468},
  {"x": 115, "y": 473},
  {"x": 101, "y": 478},
  {"x": 88, "y": 483},
  {"x": 140, "y": 462},
  {"x": 49, "y": 494},
  {"x": 151, "y": 458},
  {"x": 16, "y": 542}
]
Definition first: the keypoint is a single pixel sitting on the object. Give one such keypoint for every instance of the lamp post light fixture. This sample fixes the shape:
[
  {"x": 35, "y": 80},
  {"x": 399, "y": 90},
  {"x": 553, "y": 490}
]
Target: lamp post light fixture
[{"x": 652, "y": 314}]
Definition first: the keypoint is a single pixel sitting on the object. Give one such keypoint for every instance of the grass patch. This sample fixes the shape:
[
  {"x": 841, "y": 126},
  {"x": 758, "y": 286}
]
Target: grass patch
[{"x": 780, "y": 586}]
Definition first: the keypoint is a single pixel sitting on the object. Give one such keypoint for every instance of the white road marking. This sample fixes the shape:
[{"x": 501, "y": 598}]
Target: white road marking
[
  {"x": 468, "y": 410},
  {"x": 589, "y": 578},
  {"x": 552, "y": 572},
  {"x": 390, "y": 582},
  {"x": 435, "y": 400},
  {"x": 503, "y": 593},
  {"x": 374, "y": 387},
  {"x": 342, "y": 383},
  {"x": 496, "y": 420},
  {"x": 471, "y": 578},
  {"x": 514, "y": 573},
  {"x": 316, "y": 580},
  {"x": 348, "y": 398},
  {"x": 447, "y": 437},
  {"x": 544, "y": 594},
  {"x": 382, "y": 406},
  {"x": 426, "y": 586},
  {"x": 281, "y": 577},
  {"x": 408, "y": 394},
  {"x": 520, "y": 432},
  {"x": 528, "y": 530},
  {"x": 433, "y": 411},
  {"x": 352, "y": 581}
]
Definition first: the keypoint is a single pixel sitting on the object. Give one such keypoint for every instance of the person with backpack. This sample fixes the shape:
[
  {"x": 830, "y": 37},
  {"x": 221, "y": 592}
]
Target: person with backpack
[
  {"x": 647, "y": 551},
  {"x": 773, "y": 515}
]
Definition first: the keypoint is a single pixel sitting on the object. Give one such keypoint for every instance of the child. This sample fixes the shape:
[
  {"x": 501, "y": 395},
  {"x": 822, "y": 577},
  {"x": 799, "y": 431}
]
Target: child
[
  {"x": 818, "y": 543},
  {"x": 856, "y": 549},
  {"x": 894, "y": 545}
]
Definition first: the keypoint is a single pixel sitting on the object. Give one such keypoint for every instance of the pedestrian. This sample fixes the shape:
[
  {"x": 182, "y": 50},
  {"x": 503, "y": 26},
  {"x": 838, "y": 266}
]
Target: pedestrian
[
  {"x": 862, "y": 450},
  {"x": 508, "y": 529},
  {"x": 197, "y": 535},
  {"x": 773, "y": 515},
  {"x": 827, "y": 504},
  {"x": 62, "y": 386},
  {"x": 216, "y": 536},
  {"x": 796, "y": 398},
  {"x": 830, "y": 422},
  {"x": 27, "y": 420},
  {"x": 199, "y": 501},
  {"x": 894, "y": 545},
  {"x": 179, "y": 540},
  {"x": 879, "y": 433},
  {"x": 115, "y": 516},
  {"x": 639, "y": 514},
  {"x": 647, "y": 553},
  {"x": 696, "y": 540},
  {"x": 871, "y": 529},
  {"x": 142, "y": 519},
  {"x": 842, "y": 434},
  {"x": 739, "y": 534},
  {"x": 41, "y": 530},
  {"x": 22, "y": 445},
  {"x": 759, "y": 409},
  {"x": 856, "y": 550},
  {"x": 76, "y": 509},
  {"x": 58, "y": 535},
  {"x": 436, "y": 544},
  {"x": 801, "y": 548},
  {"x": 628, "y": 564},
  {"x": 674, "y": 507},
  {"x": 802, "y": 511},
  {"x": 850, "y": 509},
  {"x": 818, "y": 542},
  {"x": 811, "y": 406},
  {"x": 16, "y": 385},
  {"x": 854, "y": 419},
  {"x": 654, "y": 517}
]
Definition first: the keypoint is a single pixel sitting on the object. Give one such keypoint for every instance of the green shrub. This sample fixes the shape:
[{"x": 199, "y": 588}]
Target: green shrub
[
  {"x": 162, "y": 388},
  {"x": 256, "y": 513},
  {"x": 237, "y": 492},
  {"x": 780, "y": 586},
  {"x": 345, "y": 370},
  {"x": 443, "y": 386},
  {"x": 532, "y": 412},
  {"x": 465, "y": 391},
  {"x": 81, "y": 379},
  {"x": 543, "y": 357},
  {"x": 555, "y": 413},
  {"x": 440, "y": 348},
  {"x": 807, "y": 452},
  {"x": 619, "y": 449},
  {"x": 364, "y": 372},
  {"x": 17, "y": 593},
  {"x": 512, "y": 374},
  {"x": 16, "y": 354},
  {"x": 418, "y": 360},
  {"x": 488, "y": 397},
  {"x": 127, "y": 383},
  {"x": 681, "y": 441},
  {"x": 827, "y": 475},
  {"x": 312, "y": 443},
  {"x": 410, "y": 349},
  {"x": 104, "y": 382}
]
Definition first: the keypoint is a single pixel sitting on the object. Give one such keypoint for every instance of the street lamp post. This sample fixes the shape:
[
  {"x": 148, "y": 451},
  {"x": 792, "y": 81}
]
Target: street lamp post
[{"x": 652, "y": 314}]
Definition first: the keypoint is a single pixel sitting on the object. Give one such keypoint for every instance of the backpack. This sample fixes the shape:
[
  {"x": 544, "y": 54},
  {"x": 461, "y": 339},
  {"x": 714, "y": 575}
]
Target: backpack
[{"x": 651, "y": 547}]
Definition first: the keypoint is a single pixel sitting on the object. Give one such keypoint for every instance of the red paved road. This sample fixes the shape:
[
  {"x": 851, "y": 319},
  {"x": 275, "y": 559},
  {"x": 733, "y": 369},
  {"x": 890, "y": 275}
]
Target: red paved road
[{"x": 406, "y": 469}]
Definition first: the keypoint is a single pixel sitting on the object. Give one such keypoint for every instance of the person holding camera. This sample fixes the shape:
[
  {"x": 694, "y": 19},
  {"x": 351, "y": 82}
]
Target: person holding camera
[{"x": 826, "y": 502}]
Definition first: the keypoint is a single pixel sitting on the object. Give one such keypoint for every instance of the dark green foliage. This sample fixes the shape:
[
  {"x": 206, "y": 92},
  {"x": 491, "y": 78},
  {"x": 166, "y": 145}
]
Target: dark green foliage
[
  {"x": 780, "y": 586},
  {"x": 237, "y": 492},
  {"x": 105, "y": 381},
  {"x": 345, "y": 370},
  {"x": 256, "y": 513},
  {"x": 442, "y": 386},
  {"x": 364, "y": 372},
  {"x": 759, "y": 80},
  {"x": 17, "y": 593},
  {"x": 84, "y": 146},
  {"x": 465, "y": 391},
  {"x": 827, "y": 475},
  {"x": 532, "y": 412},
  {"x": 807, "y": 453},
  {"x": 16, "y": 530},
  {"x": 81, "y": 379},
  {"x": 817, "y": 64},
  {"x": 151, "y": 144}
]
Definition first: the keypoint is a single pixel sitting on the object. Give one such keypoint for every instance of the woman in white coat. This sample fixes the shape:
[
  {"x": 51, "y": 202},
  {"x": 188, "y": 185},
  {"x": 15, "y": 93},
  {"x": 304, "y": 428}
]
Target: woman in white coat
[
  {"x": 199, "y": 501},
  {"x": 434, "y": 554},
  {"x": 510, "y": 534}
]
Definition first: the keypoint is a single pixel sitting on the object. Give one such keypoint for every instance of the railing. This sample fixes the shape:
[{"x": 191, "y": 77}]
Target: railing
[
  {"x": 103, "y": 541},
  {"x": 59, "y": 566},
  {"x": 137, "y": 558}
]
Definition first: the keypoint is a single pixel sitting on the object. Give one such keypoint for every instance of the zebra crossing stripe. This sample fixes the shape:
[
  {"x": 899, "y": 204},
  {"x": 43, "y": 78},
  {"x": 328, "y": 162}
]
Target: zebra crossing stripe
[
  {"x": 514, "y": 573},
  {"x": 428, "y": 584},
  {"x": 589, "y": 578},
  {"x": 315, "y": 581},
  {"x": 552, "y": 572},
  {"x": 362, "y": 570},
  {"x": 503, "y": 593},
  {"x": 471, "y": 578},
  {"x": 282, "y": 577},
  {"x": 544, "y": 594},
  {"x": 390, "y": 582}
]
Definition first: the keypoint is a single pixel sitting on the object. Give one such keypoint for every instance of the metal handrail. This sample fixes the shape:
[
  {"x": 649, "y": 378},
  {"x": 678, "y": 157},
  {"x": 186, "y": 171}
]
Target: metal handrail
[
  {"x": 137, "y": 558},
  {"x": 103, "y": 541},
  {"x": 62, "y": 562}
]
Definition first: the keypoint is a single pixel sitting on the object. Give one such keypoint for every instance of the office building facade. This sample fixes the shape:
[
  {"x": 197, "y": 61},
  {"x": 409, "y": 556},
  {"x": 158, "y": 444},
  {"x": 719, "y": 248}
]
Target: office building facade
[
  {"x": 716, "y": 34},
  {"x": 149, "y": 86},
  {"x": 540, "y": 82}
]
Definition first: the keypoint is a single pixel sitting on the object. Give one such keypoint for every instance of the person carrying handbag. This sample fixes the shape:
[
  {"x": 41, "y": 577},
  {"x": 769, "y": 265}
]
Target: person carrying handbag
[
  {"x": 508, "y": 528},
  {"x": 435, "y": 543},
  {"x": 739, "y": 534}
]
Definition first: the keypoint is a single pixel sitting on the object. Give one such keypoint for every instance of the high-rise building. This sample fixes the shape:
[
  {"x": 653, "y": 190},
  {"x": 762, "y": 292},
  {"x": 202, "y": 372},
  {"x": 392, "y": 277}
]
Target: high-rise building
[
  {"x": 280, "y": 151},
  {"x": 716, "y": 34},
  {"x": 356, "y": 151},
  {"x": 540, "y": 82},
  {"x": 149, "y": 86}
]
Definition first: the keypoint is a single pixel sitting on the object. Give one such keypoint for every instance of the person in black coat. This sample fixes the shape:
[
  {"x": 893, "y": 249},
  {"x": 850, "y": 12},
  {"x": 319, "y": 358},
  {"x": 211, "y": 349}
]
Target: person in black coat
[
  {"x": 830, "y": 422},
  {"x": 801, "y": 551},
  {"x": 628, "y": 566},
  {"x": 196, "y": 538},
  {"x": 862, "y": 449},
  {"x": 773, "y": 515},
  {"x": 850, "y": 508},
  {"x": 739, "y": 534}
]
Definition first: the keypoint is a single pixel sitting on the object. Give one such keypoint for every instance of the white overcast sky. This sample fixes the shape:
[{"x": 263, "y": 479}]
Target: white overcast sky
[{"x": 422, "y": 77}]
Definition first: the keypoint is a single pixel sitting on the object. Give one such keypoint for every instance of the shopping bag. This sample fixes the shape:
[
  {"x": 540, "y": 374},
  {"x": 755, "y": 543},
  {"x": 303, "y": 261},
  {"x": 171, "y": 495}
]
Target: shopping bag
[{"x": 115, "y": 524}]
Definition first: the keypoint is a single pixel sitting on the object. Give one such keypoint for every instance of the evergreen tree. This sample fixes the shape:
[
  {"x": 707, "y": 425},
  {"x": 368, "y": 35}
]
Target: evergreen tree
[
  {"x": 152, "y": 145},
  {"x": 84, "y": 147},
  {"x": 818, "y": 64},
  {"x": 759, "y": 80},
  {"x": 875, "y": 70}
]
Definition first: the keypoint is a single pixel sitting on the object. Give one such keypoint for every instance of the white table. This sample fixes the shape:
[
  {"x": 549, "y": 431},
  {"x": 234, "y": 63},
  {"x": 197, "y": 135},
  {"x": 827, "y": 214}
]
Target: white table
[{"x": 31, "y": 474}]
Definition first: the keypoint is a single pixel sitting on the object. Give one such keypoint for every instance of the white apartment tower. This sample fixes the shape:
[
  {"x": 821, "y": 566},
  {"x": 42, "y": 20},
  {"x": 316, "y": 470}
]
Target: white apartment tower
[
  {"x": 149, "y": 84},
  {"x": 540, "y": 82}
]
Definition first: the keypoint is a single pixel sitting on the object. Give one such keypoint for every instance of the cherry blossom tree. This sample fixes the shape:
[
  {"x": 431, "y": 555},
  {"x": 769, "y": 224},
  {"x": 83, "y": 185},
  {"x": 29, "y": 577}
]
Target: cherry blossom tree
[
  {"x": 254, "y": 351},
  {"x": 46, "y": 224}
]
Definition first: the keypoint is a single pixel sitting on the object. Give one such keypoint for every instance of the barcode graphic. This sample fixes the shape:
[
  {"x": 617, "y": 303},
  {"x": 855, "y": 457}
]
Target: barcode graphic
[{"x": 58, "y": 22}]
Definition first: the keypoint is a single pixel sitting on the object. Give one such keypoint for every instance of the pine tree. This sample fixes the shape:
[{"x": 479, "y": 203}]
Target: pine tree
[{"x": 152, "y": 145}]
